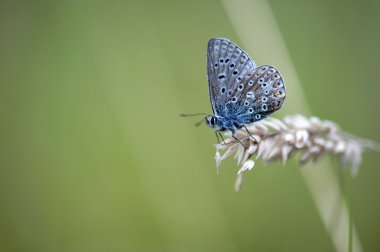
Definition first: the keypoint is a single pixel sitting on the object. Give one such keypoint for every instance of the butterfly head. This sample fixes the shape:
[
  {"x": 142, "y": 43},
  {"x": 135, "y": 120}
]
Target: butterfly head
[{"x": 212, "y": 122}]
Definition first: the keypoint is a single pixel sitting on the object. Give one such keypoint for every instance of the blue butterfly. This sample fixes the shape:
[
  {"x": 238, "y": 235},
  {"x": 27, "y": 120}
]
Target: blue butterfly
[{"x": 240, "y": 92}]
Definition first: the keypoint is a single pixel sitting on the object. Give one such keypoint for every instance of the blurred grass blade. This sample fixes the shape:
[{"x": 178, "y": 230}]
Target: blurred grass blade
[{"x": 256, "y": 26}]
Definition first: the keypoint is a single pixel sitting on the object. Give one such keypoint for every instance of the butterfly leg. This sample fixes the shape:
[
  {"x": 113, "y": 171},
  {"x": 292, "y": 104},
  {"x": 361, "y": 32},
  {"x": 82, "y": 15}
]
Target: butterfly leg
[
  {"x": 249, "y": 133},
  {"x": 217, "y": 137},
  {"x": 239, "y": 141},
  {"x": 218, "y": 134},
  {"x": 221, "y": 136}
]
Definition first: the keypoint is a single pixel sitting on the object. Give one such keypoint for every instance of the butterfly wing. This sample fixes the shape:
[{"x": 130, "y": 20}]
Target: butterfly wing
[
  {"x": 256, "y": 96},
  {"x": 227, "y": 66}
]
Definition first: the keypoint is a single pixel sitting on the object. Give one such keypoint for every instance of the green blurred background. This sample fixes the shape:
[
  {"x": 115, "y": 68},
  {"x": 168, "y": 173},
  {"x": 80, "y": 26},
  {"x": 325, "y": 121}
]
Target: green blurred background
[{"x": 95, "y": 158}]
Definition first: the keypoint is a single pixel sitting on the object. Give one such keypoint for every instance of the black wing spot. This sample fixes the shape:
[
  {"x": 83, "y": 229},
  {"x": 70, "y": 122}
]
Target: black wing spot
[
  {"x": 227, "y": 60},
  {"x": 232, "y": 65},
  {"x": 264, "y": 107},
  {"x": 250, "y": 110},
  {"x": 221, "y": 76},
  {"x": 246, "y": 103},
  {"x": 261, "y": 80},
  {"x": 216, "y": 65},
  {"x": 250, "y": 82},
  {"x": 234, "y": 99},
  {"x": 264, "y": 84},
  {"x": 239, "y": 78},
  {"x": 221, "y": 60},
  {"x": 257, "y": 117},
  {"x": 235, "y": 72},
  {"x": 223, "y": 90},
  {"x": 264, "y": 99},
  {"x": 241, "y": 86}
]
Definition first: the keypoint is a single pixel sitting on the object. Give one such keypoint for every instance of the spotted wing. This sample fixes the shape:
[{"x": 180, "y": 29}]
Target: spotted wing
[
  {"x": 256, "y": 96},
  {"x": 227, "y": 66}
]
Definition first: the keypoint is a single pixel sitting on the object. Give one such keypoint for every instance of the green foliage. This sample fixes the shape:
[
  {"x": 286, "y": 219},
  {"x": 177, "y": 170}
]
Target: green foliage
[{"x": 95, "y": 158}]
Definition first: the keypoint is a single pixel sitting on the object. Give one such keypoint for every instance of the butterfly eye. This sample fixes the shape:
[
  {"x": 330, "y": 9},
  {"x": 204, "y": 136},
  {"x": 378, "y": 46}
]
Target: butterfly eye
[
  {"x": 250, "y": 82},
  {"x": 241, "y": 86},
  {"x": 264, "y": 107},
  {"x": 257, "y": 117},
  {"x": 212, "y": 121},
  {"x": 250, "y": 110}
]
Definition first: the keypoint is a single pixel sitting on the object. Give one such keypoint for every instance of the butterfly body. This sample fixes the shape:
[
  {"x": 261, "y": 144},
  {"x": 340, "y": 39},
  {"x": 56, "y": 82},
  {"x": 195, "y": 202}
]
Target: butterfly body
[
  {"x": 223, "y": 123},
  {"x": 240, "y": 92}
]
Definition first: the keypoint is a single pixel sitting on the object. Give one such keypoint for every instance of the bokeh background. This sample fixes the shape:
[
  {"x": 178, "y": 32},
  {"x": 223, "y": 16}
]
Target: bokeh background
[{"x": 95, "y": 158}]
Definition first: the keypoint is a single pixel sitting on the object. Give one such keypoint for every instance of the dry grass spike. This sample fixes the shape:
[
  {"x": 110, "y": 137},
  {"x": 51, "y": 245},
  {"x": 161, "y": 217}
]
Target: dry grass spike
[{"x": 276, "y": 140}]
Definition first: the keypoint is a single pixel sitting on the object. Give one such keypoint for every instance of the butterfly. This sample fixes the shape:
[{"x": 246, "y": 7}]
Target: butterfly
[{"x": 240, "y": 92}]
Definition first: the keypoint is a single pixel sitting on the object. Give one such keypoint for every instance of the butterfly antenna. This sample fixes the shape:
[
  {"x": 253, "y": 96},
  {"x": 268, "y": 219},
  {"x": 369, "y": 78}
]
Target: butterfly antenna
[
  {"x": 199, "y": 123},
  {"x": 196, "y": 114}
]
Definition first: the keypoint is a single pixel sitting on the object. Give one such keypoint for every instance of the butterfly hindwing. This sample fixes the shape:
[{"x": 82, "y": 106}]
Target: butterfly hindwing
[
  {"x": 259, "y": 96},
  {"x": 227, "y": 66}
]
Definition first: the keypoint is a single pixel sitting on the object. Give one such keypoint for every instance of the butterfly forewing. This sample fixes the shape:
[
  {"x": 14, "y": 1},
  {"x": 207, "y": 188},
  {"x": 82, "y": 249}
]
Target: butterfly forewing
[{"x": 227, "y": 66}]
